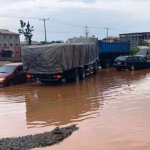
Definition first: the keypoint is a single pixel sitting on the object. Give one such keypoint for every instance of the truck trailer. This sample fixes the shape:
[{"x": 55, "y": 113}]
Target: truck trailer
[
  {"x": 56, "y": 62},
  {"x": 108, "y": 52}
]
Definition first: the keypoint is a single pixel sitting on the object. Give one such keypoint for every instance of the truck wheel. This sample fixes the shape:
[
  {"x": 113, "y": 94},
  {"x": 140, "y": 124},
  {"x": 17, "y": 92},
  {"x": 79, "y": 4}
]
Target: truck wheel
[
  {"x": 96, "y": 68},
  {"x": 82, "y": 73},
  {"x": 107, "y": 63},
  {"x": 75, "y": 77}
]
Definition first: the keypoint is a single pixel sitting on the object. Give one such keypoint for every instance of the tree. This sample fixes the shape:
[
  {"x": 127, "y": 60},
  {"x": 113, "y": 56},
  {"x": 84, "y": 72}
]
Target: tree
[{"x": 26, "y": 32}]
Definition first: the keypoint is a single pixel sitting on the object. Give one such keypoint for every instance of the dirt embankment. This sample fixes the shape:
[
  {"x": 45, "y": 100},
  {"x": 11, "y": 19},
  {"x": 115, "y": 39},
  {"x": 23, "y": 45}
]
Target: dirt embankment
[{"x": 38, "y": 140}]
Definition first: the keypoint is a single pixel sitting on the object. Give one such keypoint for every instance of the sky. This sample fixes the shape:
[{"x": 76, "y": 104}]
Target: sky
[{"x": 68, "y": 18}]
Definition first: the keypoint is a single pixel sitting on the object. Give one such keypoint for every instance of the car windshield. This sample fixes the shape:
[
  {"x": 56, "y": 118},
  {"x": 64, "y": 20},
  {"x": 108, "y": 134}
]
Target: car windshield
[
  {"x": 121, "y": 58},
  {"x": 141, "y": 53},
  {"x": 7, "y": 69}
]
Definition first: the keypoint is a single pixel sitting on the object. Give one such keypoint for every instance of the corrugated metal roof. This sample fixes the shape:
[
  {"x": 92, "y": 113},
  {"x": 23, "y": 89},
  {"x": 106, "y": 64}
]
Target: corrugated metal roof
[{"x": 5, "y": 31}]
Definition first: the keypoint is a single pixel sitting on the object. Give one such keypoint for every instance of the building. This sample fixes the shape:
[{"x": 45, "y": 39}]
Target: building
[
  {"x": 135, "y": 39},
  {"x": 9, "y": 44},
  {"x": 111, "y": 39}
]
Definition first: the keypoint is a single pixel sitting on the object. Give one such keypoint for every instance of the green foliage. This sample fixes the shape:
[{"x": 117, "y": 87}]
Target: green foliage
[
  {"x": 26, "y": 32},
  {"x": 134, "y": 50}
]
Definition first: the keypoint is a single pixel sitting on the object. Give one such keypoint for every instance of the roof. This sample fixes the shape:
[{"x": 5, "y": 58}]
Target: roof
[
  {"x": 135, "y": 33},
  {"x": 14, "y": 64},
  {"x": 111, "y": 38},
  {"x": 5, "y": 31},
  {"x": 82, "y": 40}
]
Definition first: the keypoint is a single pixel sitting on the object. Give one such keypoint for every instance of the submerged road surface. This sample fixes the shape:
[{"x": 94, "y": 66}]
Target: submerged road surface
[{"x": 111, "y": 109}]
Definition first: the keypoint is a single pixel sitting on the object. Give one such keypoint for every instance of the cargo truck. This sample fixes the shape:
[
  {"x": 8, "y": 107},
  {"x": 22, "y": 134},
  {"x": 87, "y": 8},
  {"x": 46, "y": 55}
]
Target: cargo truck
[
  {"x": 108, "y": 52},
  {"x": 56, "y": 62}
]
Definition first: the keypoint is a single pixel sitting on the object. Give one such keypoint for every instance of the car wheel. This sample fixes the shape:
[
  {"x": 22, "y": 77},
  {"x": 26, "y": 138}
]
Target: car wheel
[
  {"x": 132, "y": 68},
  {"x": 11, "y": 83}
]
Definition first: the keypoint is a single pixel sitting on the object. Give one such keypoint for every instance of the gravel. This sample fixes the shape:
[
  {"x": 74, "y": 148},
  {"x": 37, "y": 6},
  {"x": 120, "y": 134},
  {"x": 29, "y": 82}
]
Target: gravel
[{"x": 39, "y": 140}]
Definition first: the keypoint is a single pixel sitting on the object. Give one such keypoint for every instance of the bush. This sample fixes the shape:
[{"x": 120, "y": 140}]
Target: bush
[{"x": 134, "y": 50}]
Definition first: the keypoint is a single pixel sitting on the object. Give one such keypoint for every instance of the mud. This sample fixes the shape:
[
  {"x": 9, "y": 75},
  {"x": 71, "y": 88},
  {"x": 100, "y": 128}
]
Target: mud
[{"x": 38, "y": 140}]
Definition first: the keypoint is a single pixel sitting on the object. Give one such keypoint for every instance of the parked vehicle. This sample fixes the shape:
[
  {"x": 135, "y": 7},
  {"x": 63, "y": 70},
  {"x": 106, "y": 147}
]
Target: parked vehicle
[
  {"x": 131, "y": 63},
  {"x": 145, "y": 54},
  {"x": 11, "y": 74},
  {"x": 55, "y": 62},
  {"x": 108, "y": 52}
]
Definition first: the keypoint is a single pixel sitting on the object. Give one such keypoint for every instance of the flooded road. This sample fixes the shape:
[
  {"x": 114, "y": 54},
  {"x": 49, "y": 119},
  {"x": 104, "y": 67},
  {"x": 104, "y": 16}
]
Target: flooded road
[{"x": 111, "y": 110}]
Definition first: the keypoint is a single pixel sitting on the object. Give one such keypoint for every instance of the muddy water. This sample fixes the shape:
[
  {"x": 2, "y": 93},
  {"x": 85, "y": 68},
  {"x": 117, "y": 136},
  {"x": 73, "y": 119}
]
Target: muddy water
[{"x": 112, "y": 110}]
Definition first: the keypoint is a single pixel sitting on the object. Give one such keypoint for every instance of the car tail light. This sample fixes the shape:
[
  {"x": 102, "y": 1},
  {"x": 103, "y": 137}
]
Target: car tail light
[
  {"x": 58, "y": 76},
  {"x": 29, "y": 76},
  {"x": 125, "y": 64}
]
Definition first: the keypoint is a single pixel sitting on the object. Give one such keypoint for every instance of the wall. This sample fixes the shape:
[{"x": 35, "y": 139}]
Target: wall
[{"x": 11, "y": 41}]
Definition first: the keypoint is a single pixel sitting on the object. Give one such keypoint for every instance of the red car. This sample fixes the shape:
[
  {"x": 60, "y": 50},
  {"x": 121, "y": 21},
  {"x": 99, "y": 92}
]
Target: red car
[{"x": 12, "y": 74}]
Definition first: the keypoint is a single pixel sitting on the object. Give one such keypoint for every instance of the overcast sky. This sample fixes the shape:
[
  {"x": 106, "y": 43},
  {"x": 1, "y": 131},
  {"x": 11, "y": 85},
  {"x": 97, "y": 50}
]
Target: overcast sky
[{"x": 67, "y": 18}]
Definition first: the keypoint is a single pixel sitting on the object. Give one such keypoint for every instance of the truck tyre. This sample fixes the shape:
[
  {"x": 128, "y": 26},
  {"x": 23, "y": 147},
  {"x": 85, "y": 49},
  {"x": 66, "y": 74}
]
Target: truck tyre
[
  {"x": 76, "y": 76},
  {"x": 107, "y": 63},
  {"x": 96, "y": 68},
  {"x": 82, "y": 73}
]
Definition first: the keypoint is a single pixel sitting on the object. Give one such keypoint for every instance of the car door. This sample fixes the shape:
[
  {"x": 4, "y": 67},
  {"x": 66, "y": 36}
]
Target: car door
[
  {"x": 136, "y": 62},
  {"x": 19, "y": 75},
  {"x": 129, "y": 61},
  {"x": 143, "y": 63},
  {"x": 148, "y": 56}
]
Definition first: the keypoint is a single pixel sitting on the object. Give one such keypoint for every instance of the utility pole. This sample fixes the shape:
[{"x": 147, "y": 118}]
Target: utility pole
[
  {"x": 107, "y": 31},
  {"x": 86, "y": 31},
  {"x": 44, "y": 28}
]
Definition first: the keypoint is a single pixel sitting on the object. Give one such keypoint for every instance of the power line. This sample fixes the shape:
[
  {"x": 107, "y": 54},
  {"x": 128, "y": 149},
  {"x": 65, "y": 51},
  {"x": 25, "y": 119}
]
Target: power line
[
  {"x": 44, "y": 28},
  {"x": 61, "y": 22}
]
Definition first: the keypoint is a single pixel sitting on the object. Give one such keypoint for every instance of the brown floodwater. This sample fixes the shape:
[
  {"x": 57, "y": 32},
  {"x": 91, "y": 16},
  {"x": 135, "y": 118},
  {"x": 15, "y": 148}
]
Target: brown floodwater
[{"x": 111, "y": 110}]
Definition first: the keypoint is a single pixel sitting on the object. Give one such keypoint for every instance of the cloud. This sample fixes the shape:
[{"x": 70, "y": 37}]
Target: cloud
[
  {"x": 138, "y": 7},
  {"x": 124, "y": 15}
]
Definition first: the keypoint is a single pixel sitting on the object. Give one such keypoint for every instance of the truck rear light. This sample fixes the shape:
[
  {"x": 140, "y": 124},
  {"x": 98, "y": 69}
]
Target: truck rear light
[{"x": 29, "y": 76}]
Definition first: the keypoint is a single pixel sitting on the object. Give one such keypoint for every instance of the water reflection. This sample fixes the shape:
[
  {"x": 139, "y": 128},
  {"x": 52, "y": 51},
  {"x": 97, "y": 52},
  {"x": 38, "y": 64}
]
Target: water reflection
[{"x": 60, "y": 105}]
